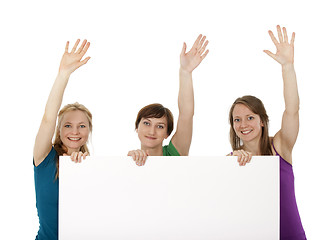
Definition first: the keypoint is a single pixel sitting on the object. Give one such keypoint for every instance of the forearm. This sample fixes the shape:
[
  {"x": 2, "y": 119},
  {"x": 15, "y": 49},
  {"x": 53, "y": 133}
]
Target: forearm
[
  {"x": 186, "y": 94},
  {"x": 290, "y": 89},
  {"x": 55, "y": 97}
]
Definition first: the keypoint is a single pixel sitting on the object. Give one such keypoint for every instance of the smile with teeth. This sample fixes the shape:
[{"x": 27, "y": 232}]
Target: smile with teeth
[
  {"x": 74, "y": 138},
  {"x": 246, "y": 132}
]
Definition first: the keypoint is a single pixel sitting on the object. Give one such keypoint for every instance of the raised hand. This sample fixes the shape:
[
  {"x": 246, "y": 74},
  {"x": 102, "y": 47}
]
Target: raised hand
[
  {"x": 190, "y": 60},
  {"x": 285, "y": 50},
  {"x": 73, "y": 60}
]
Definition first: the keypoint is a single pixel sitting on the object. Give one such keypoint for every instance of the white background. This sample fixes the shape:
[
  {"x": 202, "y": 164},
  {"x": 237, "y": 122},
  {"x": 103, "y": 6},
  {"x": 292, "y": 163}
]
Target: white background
[
  {"x": 135, "y": 47},
  {"x": 171, "y": 198}
]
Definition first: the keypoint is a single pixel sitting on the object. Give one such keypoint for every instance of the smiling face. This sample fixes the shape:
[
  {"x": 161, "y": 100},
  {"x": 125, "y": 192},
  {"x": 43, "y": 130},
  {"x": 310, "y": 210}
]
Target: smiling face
[
  {"x": 152, "y": 132},
  {"x": 246, "y": 124},
  {"x": 74, "y": 130}
]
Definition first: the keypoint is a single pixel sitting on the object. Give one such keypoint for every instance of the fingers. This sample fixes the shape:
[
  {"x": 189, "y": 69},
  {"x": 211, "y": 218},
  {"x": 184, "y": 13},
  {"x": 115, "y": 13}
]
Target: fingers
[
  {"x": 184, "y": 47},
  {"x": 285, "y": 34},
  {"x": 274, "y": 40},
  {"x": 82, "y": 49},
  {"x": 270, "y": 54},
  {"x": 293, "y": 39},
  {"x": 243, "y": 157},
  {"x": 82, "y": 46},
  {"x": 85, "y": 49},
  {"x": 75, "y": 46},
  {"x": 77, "y": 156},
  {"x": 282, "y": 36},
  {"x": 196, "y": 43},
  {"x": 202, "y": 49},
  {"x": 66, "y": 47},
  {"x": 279, "y": 34},
  {"x": 139, "y": 156},
  {"x": 84, "y": 61}
]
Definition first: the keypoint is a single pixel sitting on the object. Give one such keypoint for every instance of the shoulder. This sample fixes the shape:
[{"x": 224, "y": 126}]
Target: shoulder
[
  {"x": 279, "y": 149},
  {"x": 170, "y": 150},
  {"x": 51, "y": 157}
]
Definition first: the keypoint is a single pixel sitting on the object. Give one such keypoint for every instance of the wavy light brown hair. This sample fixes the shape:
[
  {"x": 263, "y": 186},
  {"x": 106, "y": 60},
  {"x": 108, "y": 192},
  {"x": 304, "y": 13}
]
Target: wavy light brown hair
[
  {"x": 58, "y": 144},
  {"x": 156, "y": 110},
  {"x": 257, "y": 107}
]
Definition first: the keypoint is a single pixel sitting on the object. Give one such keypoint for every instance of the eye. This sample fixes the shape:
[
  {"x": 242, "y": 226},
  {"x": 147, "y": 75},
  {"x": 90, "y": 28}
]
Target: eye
[
  {"x": 250, "y": 118},
  {"x": 146, "y": 123},
  {"x": 83, "y": 126},
  {"x": 67, "y": 126},
  {"x": 236, "y": 120},
  {"x": 160, "y": 126}
]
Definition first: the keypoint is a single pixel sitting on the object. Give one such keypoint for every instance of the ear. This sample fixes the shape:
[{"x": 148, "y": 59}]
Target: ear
[
  {"x": 136, "y": 130},
  {"x": 261, "y": 124}
]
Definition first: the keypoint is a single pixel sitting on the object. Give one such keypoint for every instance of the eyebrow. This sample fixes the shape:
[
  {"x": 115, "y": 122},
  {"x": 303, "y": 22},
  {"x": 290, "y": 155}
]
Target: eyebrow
[
  {"x": 72, "y": 123},
  {"x": 156, "y": 123},
  {"x": 246, "y": 115}
]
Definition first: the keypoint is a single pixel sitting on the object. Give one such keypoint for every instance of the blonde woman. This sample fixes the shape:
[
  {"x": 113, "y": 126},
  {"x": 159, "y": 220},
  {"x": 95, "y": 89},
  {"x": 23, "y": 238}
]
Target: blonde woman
[{"x": 72, "y": 132}]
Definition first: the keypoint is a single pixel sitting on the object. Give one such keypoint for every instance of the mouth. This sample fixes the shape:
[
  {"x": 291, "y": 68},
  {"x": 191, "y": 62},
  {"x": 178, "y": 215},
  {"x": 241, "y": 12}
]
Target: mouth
[
  {"x": 246, "y": 132},
  {"x": 151, "y": 138},
  {"x": 74, "y": 138}
]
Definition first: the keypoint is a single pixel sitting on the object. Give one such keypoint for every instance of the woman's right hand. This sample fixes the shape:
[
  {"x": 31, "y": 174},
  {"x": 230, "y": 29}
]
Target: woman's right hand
[
  {"x": 73, "y": 60},
  {"x": 243, "y": 156},
  {"x": 139, "y": 156}
]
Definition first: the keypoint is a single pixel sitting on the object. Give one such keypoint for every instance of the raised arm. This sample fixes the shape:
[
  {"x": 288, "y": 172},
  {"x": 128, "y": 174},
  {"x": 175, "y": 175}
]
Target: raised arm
[
  {"x": 188, "y": 62},
  {"x": 285, "y": 138},
  {"x": 69, "y": 63}
]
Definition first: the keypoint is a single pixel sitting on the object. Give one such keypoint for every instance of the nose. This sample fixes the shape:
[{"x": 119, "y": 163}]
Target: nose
[
  {"x": 152, "y": 130},
  {"x": 243, "y": 124},
  {"x": 75, "y": 130}
]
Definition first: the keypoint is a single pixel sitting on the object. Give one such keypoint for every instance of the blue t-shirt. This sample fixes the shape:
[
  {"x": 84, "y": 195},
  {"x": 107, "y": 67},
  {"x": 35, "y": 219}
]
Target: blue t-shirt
[{"x": 46, "y": 191}]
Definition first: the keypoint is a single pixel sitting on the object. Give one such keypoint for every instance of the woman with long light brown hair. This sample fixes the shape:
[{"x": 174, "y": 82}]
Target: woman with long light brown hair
[{"x": 249, "y": 134}]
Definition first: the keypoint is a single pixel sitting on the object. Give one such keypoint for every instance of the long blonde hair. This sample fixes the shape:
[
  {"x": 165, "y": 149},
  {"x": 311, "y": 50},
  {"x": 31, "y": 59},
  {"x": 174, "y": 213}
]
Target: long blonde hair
[
  {"x": 257, "y": 107},
  {"x": 58, "y": 144}
]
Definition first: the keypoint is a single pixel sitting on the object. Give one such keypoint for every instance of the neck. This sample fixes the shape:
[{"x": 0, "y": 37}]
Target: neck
[
  {"x": 70, "y": 151},
  {"x": 156, "y": 151},
  {"x": 253, "y": 147}
]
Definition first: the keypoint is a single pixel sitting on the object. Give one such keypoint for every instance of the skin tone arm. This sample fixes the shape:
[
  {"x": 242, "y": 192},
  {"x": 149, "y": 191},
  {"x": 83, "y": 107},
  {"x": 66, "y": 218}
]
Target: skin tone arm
[
  {"x": 285, "y": 138},
  {"x": 188, "y": 62},
  {"x": 69, "y": 63}
]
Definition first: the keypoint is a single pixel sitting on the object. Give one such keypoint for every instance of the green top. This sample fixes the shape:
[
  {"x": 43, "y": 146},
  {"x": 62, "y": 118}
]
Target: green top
[{"x": 170, "y": 150}]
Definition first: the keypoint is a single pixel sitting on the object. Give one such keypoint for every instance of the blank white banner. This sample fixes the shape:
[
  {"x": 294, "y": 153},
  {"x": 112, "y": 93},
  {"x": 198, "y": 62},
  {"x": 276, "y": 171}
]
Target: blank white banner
[{"x": 170, "y": 198}]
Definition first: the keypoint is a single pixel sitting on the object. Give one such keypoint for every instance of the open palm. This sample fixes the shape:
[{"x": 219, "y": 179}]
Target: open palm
[
  {"x": 190, "y": 60},
  {"x": 285, "y": 50},
  {"x": 72, "y": 60}
]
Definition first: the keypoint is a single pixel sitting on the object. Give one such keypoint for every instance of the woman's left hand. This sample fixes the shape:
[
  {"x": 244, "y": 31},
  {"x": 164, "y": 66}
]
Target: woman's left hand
[
  {"x": 285, "y": 50},
  {"x": 190, "y": 60},
  {"x": 77, "y": 156}
]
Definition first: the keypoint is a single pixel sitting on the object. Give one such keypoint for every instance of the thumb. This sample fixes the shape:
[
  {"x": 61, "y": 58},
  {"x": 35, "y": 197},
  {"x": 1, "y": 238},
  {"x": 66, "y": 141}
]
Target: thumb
[
  {"x": 270, "y": 54},
  {"x": 184, "y": 47},
  {"x": 147, "y": 152}
]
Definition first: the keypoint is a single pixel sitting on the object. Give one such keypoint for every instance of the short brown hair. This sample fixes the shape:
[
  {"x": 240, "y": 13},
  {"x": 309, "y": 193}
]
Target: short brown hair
[
  {"x": 156, "y": 110},
  {"x": 257, "y": 107}
]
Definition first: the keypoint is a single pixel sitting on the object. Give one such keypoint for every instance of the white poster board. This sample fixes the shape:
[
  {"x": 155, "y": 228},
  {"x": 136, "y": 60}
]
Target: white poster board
[{"x": 170, "y": 198}]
